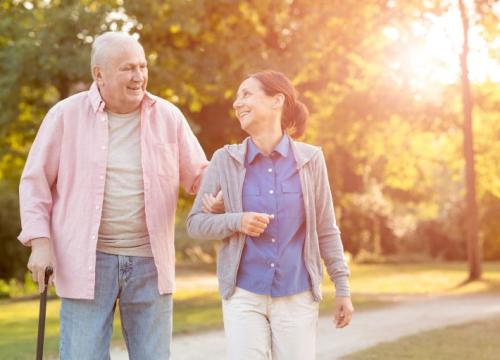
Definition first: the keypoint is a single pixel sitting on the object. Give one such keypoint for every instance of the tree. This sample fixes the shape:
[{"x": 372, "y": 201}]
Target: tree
[
  {"x": 473, "y": 247},
  {"x": 44, "y": 56}
]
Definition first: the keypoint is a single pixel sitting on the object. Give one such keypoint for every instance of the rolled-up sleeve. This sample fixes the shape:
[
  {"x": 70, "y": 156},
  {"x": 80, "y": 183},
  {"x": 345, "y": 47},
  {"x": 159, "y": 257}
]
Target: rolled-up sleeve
[{"x": 38, "y": 178}]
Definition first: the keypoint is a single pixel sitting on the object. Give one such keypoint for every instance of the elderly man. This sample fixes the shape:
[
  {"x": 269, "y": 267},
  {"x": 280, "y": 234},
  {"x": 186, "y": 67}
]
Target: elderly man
[{"x": 98, "y": 197}]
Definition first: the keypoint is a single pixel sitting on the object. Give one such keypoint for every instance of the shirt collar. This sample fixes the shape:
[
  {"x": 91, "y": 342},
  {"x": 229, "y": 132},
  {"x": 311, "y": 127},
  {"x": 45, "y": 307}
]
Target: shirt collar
[
  {"x": 281, "y": 148},
  {"x": 98, "y": 103}
]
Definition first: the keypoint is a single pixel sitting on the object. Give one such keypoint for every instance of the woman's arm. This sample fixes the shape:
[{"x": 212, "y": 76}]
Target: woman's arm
[
  {"x": 330, "y": 243},
  {"x": 207, "y": 226}
]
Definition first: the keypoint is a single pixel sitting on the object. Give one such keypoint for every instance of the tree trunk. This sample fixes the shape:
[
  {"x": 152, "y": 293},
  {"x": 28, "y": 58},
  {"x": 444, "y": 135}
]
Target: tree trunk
[{"x": 473, "y": 246}]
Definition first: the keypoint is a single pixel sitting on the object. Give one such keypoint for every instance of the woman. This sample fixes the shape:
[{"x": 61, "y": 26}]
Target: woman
[{"x": 279, "y": 223}]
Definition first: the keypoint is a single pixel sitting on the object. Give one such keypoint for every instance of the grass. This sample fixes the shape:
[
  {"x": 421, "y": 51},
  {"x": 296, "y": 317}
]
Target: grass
[
  {"x": 18, "y": 329},
  {"x": 198, "y": 308},
  {"x": 476, "y": 340},
  {"x": 423, "y": 279}
]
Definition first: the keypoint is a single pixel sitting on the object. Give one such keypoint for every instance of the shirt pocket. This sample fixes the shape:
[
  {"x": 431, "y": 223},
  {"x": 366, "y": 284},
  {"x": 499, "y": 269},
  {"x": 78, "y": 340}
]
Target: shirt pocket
[
  {"x": 251, "y": 190},
  {"x": 167, "y": 159},
  {"x": 292, "y": 201},
  {"x": 251, "y": 198}
]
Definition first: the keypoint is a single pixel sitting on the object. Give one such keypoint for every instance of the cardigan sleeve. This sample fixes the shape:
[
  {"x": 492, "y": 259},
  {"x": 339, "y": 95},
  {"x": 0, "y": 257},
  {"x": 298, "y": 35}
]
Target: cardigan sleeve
[
  {"x": 330, "y": 243},
  {"x": 205, "y": 226}
]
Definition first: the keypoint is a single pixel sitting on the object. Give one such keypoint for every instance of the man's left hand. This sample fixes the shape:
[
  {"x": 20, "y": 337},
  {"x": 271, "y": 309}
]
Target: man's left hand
[{"x": 213, "y": 204}]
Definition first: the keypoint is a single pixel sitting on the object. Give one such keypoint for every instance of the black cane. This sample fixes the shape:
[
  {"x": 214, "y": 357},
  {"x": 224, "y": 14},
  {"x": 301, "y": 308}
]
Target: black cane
[{"x": 41, "y": 315}]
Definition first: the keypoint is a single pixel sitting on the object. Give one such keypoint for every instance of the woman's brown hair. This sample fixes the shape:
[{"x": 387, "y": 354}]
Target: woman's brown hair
[{"x": 295, "y": 113}]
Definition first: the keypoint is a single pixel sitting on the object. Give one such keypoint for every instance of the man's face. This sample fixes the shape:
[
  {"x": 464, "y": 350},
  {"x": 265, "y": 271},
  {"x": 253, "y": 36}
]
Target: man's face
[{"x": 123, "y": 78}]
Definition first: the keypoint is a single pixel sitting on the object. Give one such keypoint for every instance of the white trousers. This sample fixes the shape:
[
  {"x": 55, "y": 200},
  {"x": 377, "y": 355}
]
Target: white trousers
[{"x": 261, "y": 327}]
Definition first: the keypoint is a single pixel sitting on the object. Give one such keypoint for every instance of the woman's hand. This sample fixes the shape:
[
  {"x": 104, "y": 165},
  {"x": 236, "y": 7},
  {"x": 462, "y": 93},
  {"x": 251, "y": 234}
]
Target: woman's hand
[
  {"x": 343, "y": 311},
  {"x": 254, "y": 224}
]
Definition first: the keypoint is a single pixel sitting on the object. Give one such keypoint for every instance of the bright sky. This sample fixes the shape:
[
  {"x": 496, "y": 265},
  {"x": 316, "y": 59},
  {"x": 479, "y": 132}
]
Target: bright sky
[{"x": 436, "y": 57}]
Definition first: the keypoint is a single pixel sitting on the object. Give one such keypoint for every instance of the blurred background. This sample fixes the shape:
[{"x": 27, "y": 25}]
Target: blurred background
[
  {"x": 382, "y": 80},
  {"x": 405, "y": 107}
]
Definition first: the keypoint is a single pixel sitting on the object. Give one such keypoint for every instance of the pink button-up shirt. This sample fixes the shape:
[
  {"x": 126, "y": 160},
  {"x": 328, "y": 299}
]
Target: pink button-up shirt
[{"x": 62, "y": 185}]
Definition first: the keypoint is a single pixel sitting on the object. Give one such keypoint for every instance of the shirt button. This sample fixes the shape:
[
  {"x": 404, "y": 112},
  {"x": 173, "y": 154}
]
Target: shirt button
[
  {"x": 101, "y": 177},
  {"x": 103, "y": 147},
  {"x": 271, "y": 192},
  {"x": 272, "y": 265},
  {"x": 273, "y": 240},
  {"x": 97, "y": 207},
  {"x": 90, "y": 267},
  {"x": 93, "y": 237},
  {"x": 269, "y": 170},
  {"x": 103, "y": 119}
]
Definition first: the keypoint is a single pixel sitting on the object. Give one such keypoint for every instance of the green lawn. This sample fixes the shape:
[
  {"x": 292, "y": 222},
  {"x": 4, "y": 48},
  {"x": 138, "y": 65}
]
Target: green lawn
[
  {"x": 199, "y": 309},
  {"x": 422, "y": 279},
  {"x": 477, "y": 340}
]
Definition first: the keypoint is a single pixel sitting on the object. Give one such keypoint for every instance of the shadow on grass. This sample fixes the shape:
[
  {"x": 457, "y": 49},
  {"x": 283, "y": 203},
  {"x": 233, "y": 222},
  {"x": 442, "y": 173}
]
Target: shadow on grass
[{"x": 484, "y": 285}]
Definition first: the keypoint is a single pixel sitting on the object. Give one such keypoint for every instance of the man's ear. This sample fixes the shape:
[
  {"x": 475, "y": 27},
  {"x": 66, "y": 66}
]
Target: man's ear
[
  {"x": 279, "y": 100},
  {"x": 97, "y": 74}
]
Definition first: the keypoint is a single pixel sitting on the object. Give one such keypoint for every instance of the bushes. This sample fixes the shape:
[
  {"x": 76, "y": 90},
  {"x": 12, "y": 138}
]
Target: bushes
[
  {"x": 13, "y": 288},
  {"x": 490, "y": 228},
  {"x": 14, "y": 254}
]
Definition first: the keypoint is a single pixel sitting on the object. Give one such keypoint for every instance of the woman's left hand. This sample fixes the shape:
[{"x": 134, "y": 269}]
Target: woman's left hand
[{"x": 343, "y": 311}]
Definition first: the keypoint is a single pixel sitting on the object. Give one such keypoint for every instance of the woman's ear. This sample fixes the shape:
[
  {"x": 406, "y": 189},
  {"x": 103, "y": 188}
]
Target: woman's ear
[{"x": 279, "y": 100}]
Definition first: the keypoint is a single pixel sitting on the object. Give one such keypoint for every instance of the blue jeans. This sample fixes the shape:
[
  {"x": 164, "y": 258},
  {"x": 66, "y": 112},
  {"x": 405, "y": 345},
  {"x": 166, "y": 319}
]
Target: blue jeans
[{"x": 146, "y": 316}]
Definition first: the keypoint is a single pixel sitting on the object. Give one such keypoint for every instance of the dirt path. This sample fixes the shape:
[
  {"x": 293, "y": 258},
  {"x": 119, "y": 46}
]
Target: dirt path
[{"x": 367, "y": 329}]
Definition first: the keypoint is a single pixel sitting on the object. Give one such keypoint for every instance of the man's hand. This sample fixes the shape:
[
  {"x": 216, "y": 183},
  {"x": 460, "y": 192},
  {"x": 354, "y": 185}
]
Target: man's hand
[
  {"x": 39, "y": 260},
  {"x": 343, "y": 311},
  {"x": 213, "y": 204},
  {"x": 254, "y": 224}
]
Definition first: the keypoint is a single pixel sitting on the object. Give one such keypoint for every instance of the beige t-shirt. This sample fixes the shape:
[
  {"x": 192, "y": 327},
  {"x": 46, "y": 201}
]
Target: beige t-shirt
[{"x": 123, "y": 229}]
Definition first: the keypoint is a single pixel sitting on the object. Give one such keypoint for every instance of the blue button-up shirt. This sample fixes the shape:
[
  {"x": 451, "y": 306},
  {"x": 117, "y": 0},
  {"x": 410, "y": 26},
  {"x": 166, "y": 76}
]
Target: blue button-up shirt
[{"x": 273, "y": 263}]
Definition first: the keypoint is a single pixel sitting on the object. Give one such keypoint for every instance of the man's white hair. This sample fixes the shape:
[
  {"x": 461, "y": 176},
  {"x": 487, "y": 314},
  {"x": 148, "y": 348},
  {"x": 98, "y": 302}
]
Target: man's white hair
[{"x": 106, "y": 43}]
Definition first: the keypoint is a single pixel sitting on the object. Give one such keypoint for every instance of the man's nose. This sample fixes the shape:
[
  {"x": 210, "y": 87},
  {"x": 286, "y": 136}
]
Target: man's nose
[{"x": 137, "y": 75}]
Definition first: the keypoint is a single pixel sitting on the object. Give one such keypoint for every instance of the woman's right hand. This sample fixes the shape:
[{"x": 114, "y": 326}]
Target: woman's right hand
[{"x": 254, "y": 224}]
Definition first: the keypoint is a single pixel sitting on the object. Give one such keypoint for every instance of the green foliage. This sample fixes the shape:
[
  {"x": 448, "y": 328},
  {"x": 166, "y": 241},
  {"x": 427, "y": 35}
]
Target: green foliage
[
  {"x": 14, "y": 255},
  {"x": 14, "y": 288},
  {"x": 392, "y": 139},
  {"x": 44, "y": 56}
]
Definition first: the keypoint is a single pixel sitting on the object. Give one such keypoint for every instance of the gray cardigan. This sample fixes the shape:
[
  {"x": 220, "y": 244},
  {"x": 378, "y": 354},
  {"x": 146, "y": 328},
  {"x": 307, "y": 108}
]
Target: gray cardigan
[{"x": 227, "y": 172}]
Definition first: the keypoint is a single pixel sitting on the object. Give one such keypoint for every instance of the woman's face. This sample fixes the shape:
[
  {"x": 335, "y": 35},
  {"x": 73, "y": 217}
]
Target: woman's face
[{"x": 253, "y": 107}]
